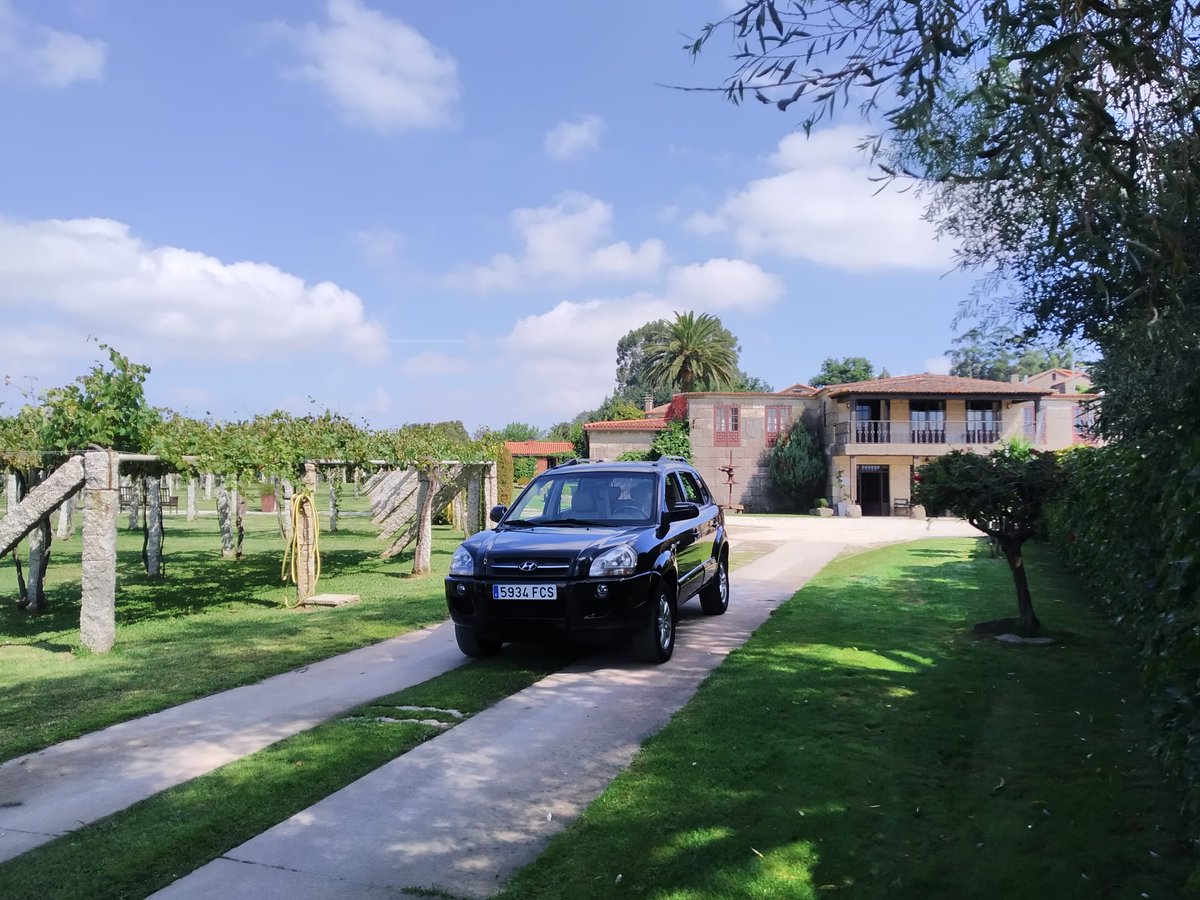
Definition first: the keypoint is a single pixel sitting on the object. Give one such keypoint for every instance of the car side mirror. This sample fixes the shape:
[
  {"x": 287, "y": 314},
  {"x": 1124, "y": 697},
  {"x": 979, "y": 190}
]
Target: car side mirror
[
  {"x": 682, "y": 510},
  {"x": 497, "y": 513}
]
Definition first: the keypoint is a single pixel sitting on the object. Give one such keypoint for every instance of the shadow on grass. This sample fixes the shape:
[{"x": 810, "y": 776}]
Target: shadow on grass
[{"x": 862, "y": 744}]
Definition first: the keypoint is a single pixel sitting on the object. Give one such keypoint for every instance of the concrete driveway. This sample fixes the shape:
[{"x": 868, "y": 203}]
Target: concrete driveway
[{"x": 462, "y": 812}]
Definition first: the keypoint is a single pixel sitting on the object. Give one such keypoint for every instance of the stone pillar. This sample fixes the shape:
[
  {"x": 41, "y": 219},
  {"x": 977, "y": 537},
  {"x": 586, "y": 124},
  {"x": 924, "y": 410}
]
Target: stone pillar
[
  {"x": 491, "y": 491},
  {"x": 334, "y": 477},
  {"x": 135, "y": 486},
  {"x": 66, "y": 518},
  {"x": 12, "y": 491},
  {"x": 458, "y": 513},
  {"x": 39, "y": 551},
  {"x": 306, "y": 525},
  {"x": 429, "y": 484},
  {"x": 475, "y": 513},
  {"x": 208, "y": 485},
  {"x": 97, "y": 618},
  {"x": 191, "y": 499},
  {"x": 154, "y": 527},
  {"x": 283, "y": 508}
]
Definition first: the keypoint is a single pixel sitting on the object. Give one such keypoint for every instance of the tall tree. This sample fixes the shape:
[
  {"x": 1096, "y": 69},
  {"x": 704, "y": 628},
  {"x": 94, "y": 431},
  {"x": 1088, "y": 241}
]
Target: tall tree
[
  {"x": 997, "y": 353},
  {"x": 633, "y": 384},
  {"x": 843, "y": 371},
  {"x": 694, "y": 351},
  {"x": 520, "y": 431}
]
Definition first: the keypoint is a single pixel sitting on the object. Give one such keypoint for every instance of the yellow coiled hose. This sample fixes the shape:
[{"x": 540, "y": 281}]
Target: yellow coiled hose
[{"x": 291, "y": 554}]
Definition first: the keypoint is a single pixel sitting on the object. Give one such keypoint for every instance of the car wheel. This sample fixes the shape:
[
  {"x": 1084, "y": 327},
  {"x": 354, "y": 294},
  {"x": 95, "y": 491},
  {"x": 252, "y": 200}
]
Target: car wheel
[
  {"x": 714, "y": 598},
  {"x": 654, "y": 642},
  {"x": 472, "y": 645}
]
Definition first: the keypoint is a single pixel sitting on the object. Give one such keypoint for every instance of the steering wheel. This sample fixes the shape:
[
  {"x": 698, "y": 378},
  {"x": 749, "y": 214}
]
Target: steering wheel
[{"x": 629, "y": 510}]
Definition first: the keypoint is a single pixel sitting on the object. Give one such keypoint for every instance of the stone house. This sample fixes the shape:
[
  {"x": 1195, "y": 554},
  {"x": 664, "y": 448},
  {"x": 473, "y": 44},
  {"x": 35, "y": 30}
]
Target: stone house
[{"x": 874, "y": 433}]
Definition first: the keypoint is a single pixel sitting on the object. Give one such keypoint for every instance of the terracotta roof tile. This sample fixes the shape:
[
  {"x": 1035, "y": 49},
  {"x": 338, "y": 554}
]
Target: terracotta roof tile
[
  {"x": 627, "y": 425},
  {"x": 932, "y": 384},
  {"x": 538, "y": 448}
]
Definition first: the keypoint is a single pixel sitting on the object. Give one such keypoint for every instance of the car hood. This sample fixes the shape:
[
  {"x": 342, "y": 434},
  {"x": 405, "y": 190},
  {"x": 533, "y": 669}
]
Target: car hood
[{"x": 548, "y": 541}]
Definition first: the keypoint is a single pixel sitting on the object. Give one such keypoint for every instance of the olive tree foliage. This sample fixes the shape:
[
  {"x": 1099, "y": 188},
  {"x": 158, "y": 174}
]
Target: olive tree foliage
[
  {"x": 1004, "y": 494},
  {"x": 798, "y": 466},
  {"x": 1058, "y": 142}
]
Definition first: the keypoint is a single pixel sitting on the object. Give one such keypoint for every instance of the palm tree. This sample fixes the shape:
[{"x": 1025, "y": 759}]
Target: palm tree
[{"x": 693, "y": 350}]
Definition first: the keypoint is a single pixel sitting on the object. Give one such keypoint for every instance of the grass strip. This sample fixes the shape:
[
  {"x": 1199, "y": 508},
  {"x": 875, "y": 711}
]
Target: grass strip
[
  {"x": 864, "y": 744},
  {"x": 209, "y": 625},
  {"x": 147, "y": 846}
]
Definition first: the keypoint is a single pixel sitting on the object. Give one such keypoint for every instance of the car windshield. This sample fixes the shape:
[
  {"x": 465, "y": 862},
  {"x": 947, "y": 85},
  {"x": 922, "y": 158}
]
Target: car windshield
[{"x": 586, "y": 498}]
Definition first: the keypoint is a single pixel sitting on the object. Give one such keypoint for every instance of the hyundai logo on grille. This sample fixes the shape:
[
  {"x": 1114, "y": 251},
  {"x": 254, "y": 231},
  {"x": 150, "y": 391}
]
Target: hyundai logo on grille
[{"x": 528, "y": 566}]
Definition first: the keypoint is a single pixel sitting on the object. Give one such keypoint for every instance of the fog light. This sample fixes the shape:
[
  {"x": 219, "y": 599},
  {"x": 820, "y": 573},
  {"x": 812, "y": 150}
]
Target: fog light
[
  {"x": 462, "y": 589},
  {"x": 602, "y": 591}
]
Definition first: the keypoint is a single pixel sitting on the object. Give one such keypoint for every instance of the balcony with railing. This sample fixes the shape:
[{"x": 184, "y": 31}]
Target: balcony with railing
[{"x": 871, "y": 431}]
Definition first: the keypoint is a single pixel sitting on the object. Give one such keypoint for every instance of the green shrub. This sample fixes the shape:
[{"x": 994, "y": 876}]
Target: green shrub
[
  {"x": 798, "y": 466},
  {"x": 1128, "y": 522},
  {"x": 634, "y": 456},
  {"x": 524, "y": 468},
  {"x": 672, "y": 441},
  {"x": 504, "y": 477},
  {"x": 822, "y": 503}
]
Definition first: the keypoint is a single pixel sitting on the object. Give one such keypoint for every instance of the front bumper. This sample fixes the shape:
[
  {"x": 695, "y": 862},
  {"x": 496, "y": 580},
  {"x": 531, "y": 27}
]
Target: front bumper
[{"x": 592, "y": 606}]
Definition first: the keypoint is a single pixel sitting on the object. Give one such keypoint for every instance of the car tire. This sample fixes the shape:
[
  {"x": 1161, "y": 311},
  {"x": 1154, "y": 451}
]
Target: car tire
[
  {"x": 472, "y": 645},
  {"x": 654, "y": 642},
  {"x": 714, "y": 597}
]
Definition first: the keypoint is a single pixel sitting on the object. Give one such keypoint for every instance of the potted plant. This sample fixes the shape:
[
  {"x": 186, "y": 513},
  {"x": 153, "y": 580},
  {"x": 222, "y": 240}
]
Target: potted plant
[
  {"x": 267, "y": 492},
  {"x": 821, "y": 508}
]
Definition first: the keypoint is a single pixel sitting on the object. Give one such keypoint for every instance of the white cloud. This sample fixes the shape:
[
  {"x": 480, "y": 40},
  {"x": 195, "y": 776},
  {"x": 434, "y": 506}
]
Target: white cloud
[
  {"x": 569, "y": 139},
  {"x": 45, "y": 56},
  {"x": 823, "y": 207},
  {"x": 564, "y": 244},
  {"x": 379, "y": 245},
  {"x": 563, "y": 360},
  {"x": 723, "y": 284},
  {"x": 938, "y": 365},
  {"x": 379, "y": 71},
  {"x": 91, "y": 275},
  {"x": 432, "y": 364}
]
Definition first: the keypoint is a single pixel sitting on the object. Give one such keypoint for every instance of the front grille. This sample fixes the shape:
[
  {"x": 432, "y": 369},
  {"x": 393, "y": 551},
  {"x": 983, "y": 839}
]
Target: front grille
[{"x": 517, "y": 567}]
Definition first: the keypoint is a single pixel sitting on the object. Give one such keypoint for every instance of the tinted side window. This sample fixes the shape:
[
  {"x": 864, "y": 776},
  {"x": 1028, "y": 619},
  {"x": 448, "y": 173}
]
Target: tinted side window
[
  {"x": 692, "y": 489},
  {"x": 674, "y": 495}
]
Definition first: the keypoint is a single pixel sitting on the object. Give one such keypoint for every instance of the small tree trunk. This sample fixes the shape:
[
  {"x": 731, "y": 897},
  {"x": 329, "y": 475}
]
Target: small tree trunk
[
  {"x": 191, "y": 499},
  {"x": 154, "y": 528},
  {"x": 240, "y": 506},
  {"x": 39, "y": 560},
  {"x": 423, "y": 550},
  {"x": 333, "y": 500},
  {"x": 1028, "y": 623},
  {"x": 306, "y": 564},
  {"x": 283, "y": 509},
  {"x": 223, "y": 519}
]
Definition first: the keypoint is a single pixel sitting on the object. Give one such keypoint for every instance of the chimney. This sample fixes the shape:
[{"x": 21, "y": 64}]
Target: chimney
[
  {"x": 1015, "y": 379},
  {"x": 648, "y": 401}
]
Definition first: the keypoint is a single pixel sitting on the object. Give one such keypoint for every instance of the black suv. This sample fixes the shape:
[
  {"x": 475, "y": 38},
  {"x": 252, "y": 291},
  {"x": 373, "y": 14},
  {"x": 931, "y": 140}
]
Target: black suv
[{"x": 593, "y": 548}]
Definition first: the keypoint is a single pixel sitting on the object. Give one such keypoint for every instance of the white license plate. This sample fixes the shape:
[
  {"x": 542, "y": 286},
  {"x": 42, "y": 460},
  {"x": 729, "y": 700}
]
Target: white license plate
[{"x": 524, "y": 592}]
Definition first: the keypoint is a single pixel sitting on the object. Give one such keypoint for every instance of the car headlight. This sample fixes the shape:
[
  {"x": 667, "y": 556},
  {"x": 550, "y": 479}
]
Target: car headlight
[
  {"x": 462, "y": 563},
  {"x": 620, "y": 560}
]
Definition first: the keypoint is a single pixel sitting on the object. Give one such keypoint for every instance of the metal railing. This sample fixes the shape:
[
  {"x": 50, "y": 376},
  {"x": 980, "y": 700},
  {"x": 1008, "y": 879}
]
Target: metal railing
[{"x": 875, "y": 431}]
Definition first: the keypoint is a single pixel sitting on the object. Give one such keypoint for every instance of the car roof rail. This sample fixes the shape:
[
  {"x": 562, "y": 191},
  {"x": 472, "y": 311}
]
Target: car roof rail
[
  {"x": 682, "y": 459},
  {"x": 578, "y": 461}
]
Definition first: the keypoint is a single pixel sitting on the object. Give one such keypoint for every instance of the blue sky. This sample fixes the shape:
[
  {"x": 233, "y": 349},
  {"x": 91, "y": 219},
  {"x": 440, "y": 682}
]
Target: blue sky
[{"x": 415, "y": 211}]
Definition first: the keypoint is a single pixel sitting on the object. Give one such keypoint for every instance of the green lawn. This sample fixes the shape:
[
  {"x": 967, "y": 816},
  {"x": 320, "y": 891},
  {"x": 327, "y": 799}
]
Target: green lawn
[
  {"x": 863, "y": 744},
  {"x": 211, "y": 624}
]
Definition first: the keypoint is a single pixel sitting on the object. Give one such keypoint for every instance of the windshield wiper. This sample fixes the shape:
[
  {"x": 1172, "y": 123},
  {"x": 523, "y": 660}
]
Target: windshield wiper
[{"x": 570, "y": 521}]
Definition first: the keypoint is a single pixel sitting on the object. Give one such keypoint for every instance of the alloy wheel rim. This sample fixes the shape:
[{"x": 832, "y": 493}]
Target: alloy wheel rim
[
  {"x": 664, "y": 623},
  {"x": 723, "y": 585}
]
